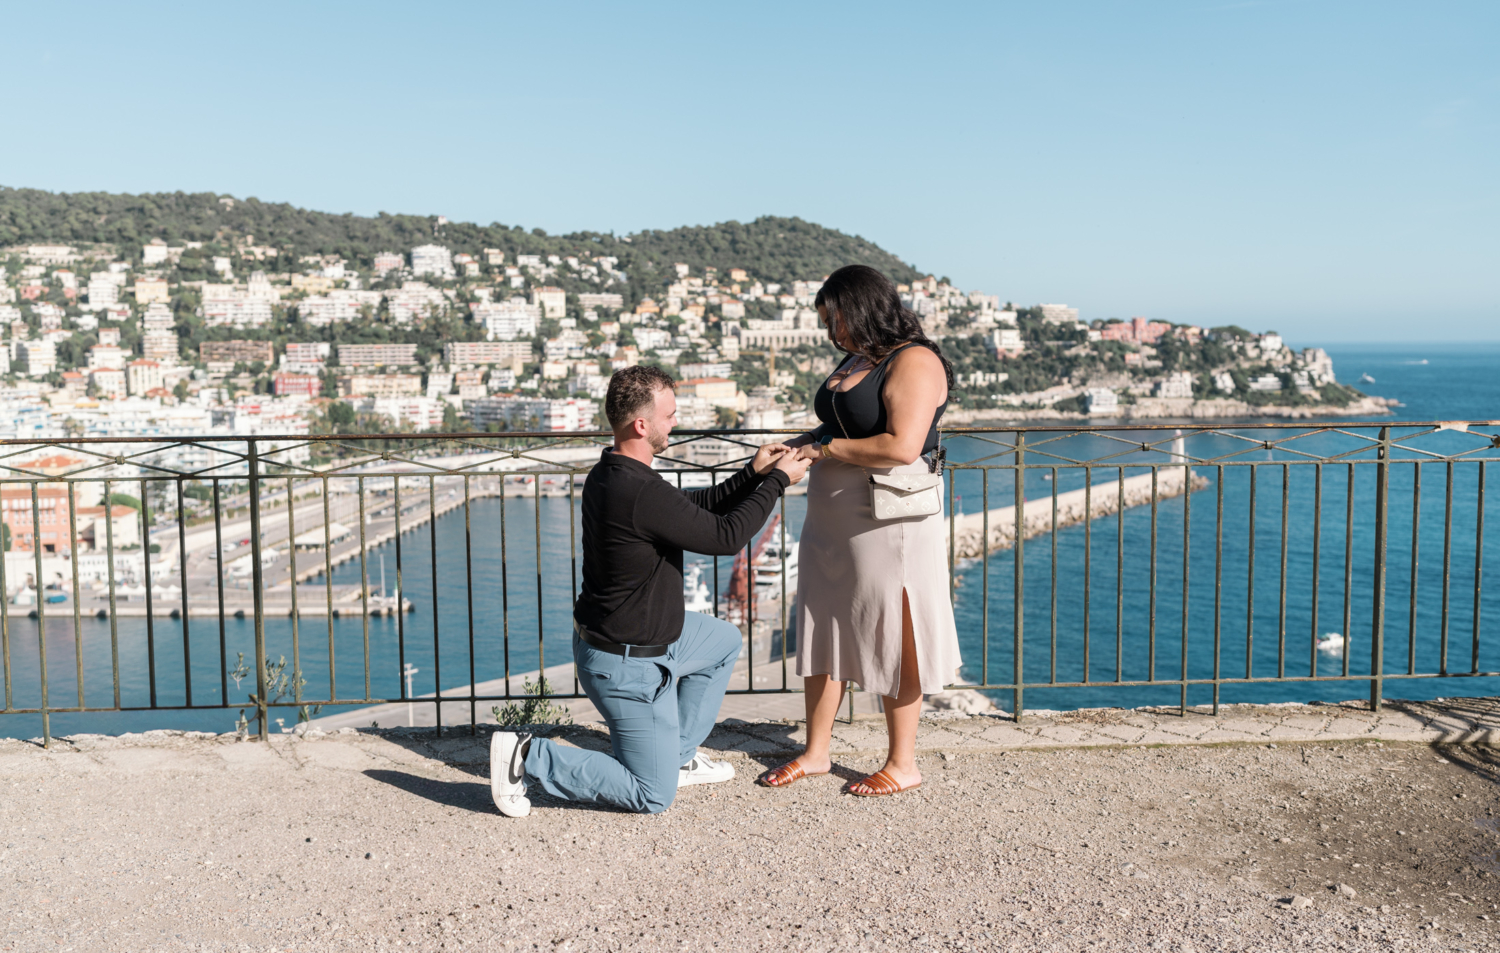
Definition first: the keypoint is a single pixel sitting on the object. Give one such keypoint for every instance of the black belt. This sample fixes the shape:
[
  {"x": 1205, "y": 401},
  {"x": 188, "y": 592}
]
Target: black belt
[{"x": 615, "y": 648}]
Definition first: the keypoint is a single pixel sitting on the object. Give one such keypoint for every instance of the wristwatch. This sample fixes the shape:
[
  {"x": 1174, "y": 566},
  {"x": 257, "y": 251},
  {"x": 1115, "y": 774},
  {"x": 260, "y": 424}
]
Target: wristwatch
[{"x": 824, "y": 445}]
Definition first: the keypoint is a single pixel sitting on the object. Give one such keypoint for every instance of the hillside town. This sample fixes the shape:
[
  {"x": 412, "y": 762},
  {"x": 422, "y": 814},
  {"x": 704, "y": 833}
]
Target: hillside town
[{"x": 101, "y": 344}]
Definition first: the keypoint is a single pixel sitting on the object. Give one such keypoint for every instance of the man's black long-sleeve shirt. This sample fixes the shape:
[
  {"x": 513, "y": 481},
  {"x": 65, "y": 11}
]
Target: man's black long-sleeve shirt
[{"x": 635, "y": 527}]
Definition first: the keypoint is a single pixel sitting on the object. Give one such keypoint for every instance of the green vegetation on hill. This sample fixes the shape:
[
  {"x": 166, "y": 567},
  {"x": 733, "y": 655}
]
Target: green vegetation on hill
[{"x": 770, "y": 248}]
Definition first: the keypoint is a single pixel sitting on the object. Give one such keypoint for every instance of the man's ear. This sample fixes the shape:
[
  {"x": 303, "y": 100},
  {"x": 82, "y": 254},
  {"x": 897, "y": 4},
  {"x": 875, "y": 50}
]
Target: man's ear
[{"x": 640, "y": 427}]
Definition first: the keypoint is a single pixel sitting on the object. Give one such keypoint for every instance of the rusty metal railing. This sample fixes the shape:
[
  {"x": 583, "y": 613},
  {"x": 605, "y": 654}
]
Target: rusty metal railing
[{"x": 1096, "y": 562}]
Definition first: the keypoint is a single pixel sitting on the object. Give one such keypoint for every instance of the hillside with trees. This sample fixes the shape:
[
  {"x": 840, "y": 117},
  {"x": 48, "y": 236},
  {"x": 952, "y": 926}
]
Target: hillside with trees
[{"x": 772, "y": 249}]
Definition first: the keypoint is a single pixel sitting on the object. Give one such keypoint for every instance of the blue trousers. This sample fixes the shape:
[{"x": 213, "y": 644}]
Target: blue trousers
[{"x": 658, "y": 711}]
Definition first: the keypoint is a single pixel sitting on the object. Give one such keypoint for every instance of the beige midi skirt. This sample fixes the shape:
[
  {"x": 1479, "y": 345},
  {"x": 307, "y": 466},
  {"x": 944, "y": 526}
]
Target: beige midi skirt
[{"x": 852, "y": 569}]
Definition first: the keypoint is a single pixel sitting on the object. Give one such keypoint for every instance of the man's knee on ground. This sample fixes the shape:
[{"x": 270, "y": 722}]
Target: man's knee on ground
[{"x": 657, "y": 796}]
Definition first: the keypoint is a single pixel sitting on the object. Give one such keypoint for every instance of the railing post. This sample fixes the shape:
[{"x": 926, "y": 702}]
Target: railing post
[
  {"x": 257, "y": 596},
  {"x": 1019, "y": 528},
  {"x": 1377, "y": 623}
]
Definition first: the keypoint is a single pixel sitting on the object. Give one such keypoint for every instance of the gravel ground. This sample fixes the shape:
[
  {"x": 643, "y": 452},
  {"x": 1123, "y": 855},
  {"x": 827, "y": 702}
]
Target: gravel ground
[{"x": 384, "y": 840}]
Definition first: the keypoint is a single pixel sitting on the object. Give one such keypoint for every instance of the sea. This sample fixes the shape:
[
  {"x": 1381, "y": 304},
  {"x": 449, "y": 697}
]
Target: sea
[{"x": 497, "y": 601}]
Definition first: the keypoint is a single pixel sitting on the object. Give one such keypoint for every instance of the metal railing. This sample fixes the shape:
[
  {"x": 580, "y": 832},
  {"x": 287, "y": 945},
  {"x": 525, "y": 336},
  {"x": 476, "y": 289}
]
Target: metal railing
[{"x": 255, "y": 554}]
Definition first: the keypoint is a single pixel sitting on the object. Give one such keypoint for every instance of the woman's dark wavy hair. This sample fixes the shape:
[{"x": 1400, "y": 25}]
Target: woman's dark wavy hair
[{"x": 874, "y": 318}]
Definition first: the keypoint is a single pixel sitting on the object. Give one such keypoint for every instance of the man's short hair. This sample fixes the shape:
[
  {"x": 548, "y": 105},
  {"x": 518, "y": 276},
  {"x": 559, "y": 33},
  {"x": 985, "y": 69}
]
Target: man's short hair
[{"x": 632, "y": 391}]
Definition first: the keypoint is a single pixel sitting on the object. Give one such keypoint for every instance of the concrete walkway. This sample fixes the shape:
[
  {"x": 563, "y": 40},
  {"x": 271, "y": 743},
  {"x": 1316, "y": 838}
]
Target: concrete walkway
[{"x": 1267, "y": 828}]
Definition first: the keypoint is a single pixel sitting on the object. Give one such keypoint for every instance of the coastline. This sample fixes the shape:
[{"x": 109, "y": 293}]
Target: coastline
[{"x": 1168, "y": 408}]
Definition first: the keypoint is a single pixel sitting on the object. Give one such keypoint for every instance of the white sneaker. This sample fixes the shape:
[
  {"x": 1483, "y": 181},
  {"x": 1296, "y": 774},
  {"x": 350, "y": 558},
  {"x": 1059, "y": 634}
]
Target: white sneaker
[
  {"x": 508, "y": 773},
  {"x": 701, "y": 770}
]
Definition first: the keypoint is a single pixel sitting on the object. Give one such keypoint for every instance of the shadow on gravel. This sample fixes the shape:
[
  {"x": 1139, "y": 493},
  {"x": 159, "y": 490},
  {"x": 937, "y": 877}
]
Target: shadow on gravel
[{"x": 468, "y": 795}]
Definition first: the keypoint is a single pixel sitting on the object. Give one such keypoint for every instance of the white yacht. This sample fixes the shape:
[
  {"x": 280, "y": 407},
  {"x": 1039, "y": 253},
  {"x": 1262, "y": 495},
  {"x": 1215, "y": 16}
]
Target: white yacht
[
  {"x": 768, "y": 575},
  {"x": 696, "y": 596}
]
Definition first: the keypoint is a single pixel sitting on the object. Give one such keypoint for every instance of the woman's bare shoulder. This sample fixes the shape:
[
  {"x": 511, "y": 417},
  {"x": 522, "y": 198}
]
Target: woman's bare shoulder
[{"x": 914, "y": 359}]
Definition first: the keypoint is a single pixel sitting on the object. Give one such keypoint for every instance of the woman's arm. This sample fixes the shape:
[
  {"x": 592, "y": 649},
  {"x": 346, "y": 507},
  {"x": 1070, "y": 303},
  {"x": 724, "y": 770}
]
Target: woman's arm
[{"x": 914, "y": 389}]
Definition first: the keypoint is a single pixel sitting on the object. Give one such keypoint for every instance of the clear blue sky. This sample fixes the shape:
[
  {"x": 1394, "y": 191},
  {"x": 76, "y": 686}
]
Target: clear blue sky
[{"x": 1326, "y": 169}]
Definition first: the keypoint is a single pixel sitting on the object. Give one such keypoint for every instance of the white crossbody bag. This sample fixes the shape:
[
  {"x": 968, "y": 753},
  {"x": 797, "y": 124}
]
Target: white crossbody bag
[{"x": 900, "y": 495}]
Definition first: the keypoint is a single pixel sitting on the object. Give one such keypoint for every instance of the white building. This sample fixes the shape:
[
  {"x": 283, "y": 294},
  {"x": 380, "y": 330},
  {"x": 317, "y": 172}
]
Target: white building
[
  {"x": 1177, "y": 385},
  {"x": 40, "y": 356},
  {"x": 104, "y": 289},
  {"x": 432, "y": 260},
  {"x": 387, "y": 261},
  {"x": 1224, "y": 382},
  {"x": 439, "y": 383},
  {"x": 415, "y": 299},
  {"x": 226, "y": 305},
  {"x": 1102, "y": 400},
  {"x": 337, "y": 306},
  {"x": 159, "y": 345},
  {"x": 1266, "y": 382},
  {"x": 107, "y": 382},
  {"x": 422, "y": 413},
  {"x": 154, "y": 252},
  {"x": 1059, "y": 313},
  {"x": 110, "y": 356},
  {"x": 305, "y": 357},
  {"x": 520, "y": 413},
  {"x": 1005, "y": 341},
  {"x": 143, "y": 376},
  {"x": 508, "y": 320},
  {"x": 552, "y": 301},
  {"x": 1270, "y": 343}
]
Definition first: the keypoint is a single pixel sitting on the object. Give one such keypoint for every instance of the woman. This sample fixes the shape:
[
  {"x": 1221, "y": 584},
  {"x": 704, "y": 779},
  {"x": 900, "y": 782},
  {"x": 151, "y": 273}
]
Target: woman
[{"x": 872, "y": 597}]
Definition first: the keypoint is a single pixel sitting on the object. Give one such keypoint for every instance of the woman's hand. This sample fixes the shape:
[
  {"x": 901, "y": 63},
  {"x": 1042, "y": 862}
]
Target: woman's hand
[
  {"x": 766, "y": 457},
  {"x": 810, "y": 452}
]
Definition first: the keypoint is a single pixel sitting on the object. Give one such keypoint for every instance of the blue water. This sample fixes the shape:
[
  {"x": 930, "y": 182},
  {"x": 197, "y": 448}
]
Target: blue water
[{"x": 1115, "y": 640}]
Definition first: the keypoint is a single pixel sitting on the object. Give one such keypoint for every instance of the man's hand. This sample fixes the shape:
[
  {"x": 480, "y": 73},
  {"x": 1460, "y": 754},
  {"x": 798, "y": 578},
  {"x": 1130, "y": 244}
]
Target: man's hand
[
  {"x": 766, "y": 456},
  {"x": 793, "y": 465}
]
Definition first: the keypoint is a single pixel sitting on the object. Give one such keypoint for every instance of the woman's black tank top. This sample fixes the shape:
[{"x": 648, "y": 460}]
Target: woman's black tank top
[{"x": 862, "y": 407}]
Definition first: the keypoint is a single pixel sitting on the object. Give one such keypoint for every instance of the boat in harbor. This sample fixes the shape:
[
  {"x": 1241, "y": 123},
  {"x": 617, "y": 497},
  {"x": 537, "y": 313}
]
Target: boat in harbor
[
  {"x": 1331, "y": 642},
  {"x": 696, "y": 596},
  {"x": 1366, "y": 379},
  {"x": 762, "y": 574}
]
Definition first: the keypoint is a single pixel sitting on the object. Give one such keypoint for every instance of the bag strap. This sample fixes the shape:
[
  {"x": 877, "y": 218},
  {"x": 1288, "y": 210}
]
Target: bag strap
[{"x": 939, "y": 455}]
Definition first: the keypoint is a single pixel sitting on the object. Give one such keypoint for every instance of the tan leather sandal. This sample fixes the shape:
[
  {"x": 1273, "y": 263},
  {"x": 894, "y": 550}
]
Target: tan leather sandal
[
  {"x": 786, "y": 774},
  {"x": 880, "y": 784}
]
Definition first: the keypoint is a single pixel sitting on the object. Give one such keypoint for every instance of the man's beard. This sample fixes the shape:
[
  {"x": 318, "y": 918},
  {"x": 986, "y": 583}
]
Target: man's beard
[{"x": 658, "y": 441}]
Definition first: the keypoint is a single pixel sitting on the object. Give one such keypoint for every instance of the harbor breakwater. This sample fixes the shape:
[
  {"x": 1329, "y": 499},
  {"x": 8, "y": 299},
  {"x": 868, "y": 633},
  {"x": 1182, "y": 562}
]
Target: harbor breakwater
[{"x": 974, "y": 534}]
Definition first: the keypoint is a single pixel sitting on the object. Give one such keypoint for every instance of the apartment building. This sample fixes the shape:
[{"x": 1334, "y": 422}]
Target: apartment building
[
  {"x": 234, "y": 309},
  {"x": 143, "y": 376},
  {"x": 414, "y": 299},
  {"x": 520, "y": 413},
  {"x": 602, "y": 300},
  {"x": 553, "y": 302},
  {"x": 149, "y": 289},
  {"x": 40, "y": 356},
  {"x": 434, "y": 260},
  {"x": 422, "y": 413},
  {"x": 509, "y": 353},
  {"x": 107, "y": 382},
  {"x": 339, "y": 305},
  {"x": 388, "y": 261},
  {"x": 296, "y": 385},
  {"x": 380, "y": 385},
  {"x": 235, "y": 352},
  {"x": 305, "y": 357},
  {"x": 376, "y": 355},
  {"x": 508, "y": 320}
]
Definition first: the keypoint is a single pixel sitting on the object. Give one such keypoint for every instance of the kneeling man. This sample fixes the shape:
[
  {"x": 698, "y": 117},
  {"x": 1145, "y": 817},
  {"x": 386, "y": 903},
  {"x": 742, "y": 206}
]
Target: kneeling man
[{"x": 655, "y": 671}]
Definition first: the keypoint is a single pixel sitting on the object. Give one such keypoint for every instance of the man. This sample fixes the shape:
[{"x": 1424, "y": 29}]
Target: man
[{"x": 654, "y": 671}]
